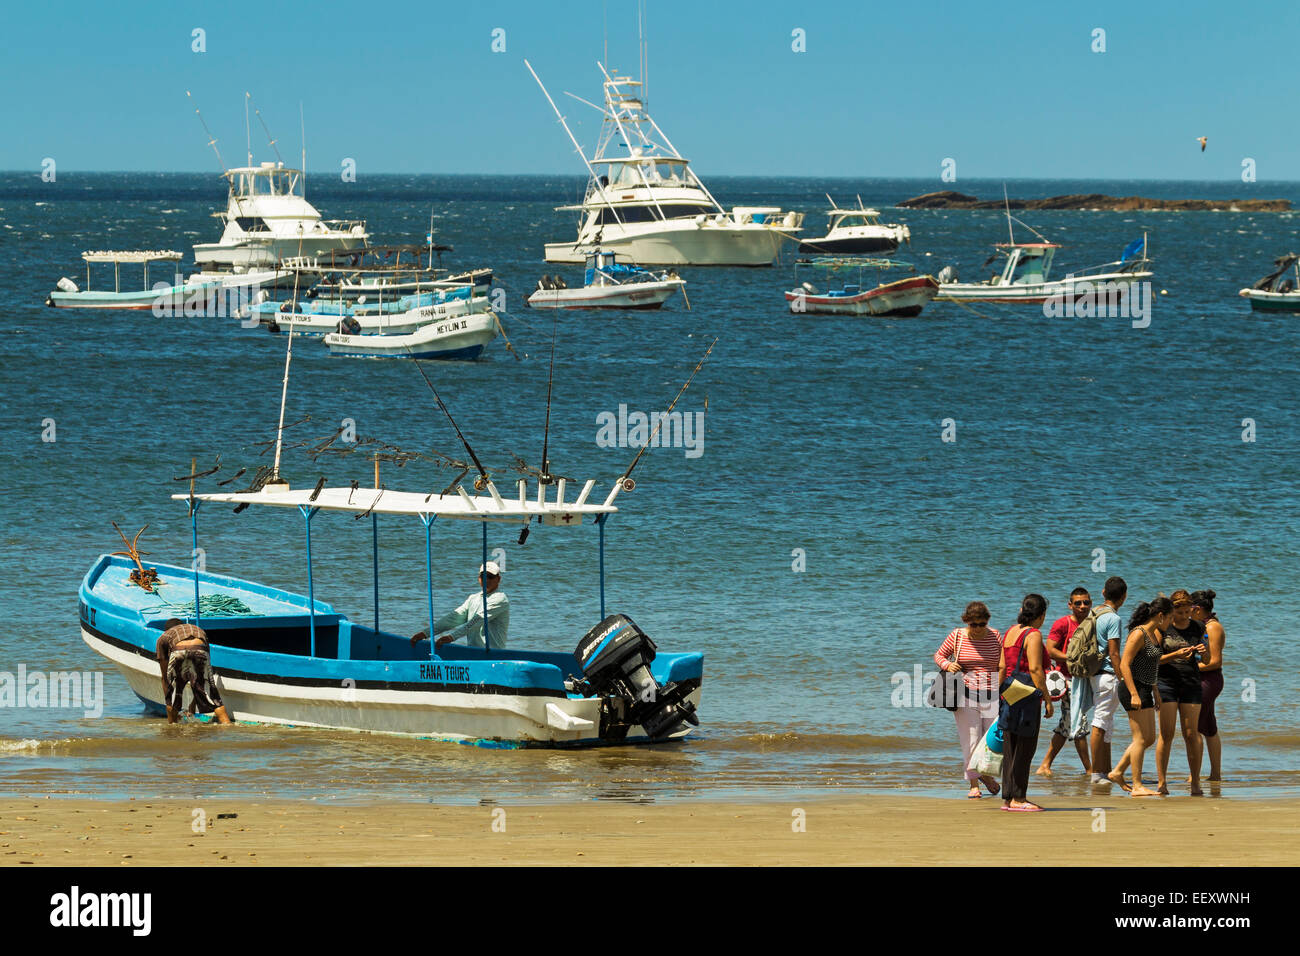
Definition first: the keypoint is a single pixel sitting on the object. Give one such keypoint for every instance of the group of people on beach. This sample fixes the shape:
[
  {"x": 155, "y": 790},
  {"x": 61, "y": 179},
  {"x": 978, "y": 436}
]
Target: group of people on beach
[{"x": 1164, "y": 669}]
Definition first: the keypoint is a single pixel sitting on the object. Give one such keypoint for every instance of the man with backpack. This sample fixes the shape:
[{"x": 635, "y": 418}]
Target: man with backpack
[
  {"x": 1055, "y": 647},
  {"x": 1109, "y": 635}
]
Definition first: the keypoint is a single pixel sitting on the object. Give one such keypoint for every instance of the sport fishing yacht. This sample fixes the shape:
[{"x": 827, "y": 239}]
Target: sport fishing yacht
[
  {"x": 644, "y": 202},
  {"x": 269, "y": 219}
]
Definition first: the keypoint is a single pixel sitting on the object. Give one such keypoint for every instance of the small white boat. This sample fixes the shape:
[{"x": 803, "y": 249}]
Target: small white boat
[
  {"x": 1274, "y": 293},
  {"x": 456, "y": 339},
  {"x": 202, "y": 293},
  {"x": 1025, "y": 276},
  {"x": 608, "y": 284},
  {"x": 902, "y": 297},
  {"x": 855, "y": 232}
]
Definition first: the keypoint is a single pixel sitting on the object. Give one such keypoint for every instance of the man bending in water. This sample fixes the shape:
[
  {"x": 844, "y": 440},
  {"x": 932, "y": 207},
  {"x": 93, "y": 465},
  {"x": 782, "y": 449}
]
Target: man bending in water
[{"x": 183, "y": 660}]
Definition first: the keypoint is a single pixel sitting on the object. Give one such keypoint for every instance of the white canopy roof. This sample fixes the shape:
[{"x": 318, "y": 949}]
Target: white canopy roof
[
  {"x": 489, "y": 507},
  {"x": 150, "y": 255}
]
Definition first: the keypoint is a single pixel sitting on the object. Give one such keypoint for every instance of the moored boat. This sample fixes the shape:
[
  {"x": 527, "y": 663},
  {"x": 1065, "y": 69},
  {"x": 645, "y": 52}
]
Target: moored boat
[
  {"x": 649, "y": 205},
  {"x": 904, "y": 297},
  {"x": 186, "y": 296},
  {"x": 1026, "y": 276},
  {"x": 455, "y": 339},
  {"x": 1277, "y": 292},
  {"x": 608, "y": 284},
  {"x": 856, "y": 232}
]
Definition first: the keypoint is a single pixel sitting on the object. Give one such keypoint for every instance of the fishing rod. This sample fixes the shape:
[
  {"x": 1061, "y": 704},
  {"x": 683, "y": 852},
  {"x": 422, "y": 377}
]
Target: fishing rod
[
  {"x": 545, "y": 477},
  {"x": 269, "y": 140},
  {"x": 626, "y": 479},
  {"x": 438, "y": 398},
  {"x": 212, "y": 140}
]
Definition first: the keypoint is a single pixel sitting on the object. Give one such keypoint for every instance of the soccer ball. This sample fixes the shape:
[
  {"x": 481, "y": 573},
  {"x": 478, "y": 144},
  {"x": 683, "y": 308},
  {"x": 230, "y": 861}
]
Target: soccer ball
[{"x": 1057, "y": 685}]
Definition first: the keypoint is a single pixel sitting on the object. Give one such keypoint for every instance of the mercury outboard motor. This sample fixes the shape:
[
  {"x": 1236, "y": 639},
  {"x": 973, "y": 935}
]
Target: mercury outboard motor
[{"x": 615, "y": 656}]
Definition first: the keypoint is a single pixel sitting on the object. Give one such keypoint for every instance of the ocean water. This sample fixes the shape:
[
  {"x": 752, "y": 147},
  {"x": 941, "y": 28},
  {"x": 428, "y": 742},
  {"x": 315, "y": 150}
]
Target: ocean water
[{"x": 823, "y": 441}]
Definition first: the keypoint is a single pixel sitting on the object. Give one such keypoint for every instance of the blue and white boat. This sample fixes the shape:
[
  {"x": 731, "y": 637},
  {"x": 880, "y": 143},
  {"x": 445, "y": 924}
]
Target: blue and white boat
[
  {"x": 399, "y": 316},
  {"x": 283, "y": 658}
]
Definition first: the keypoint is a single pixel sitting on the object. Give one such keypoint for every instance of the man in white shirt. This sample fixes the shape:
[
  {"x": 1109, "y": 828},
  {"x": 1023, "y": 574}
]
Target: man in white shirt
[{"x": 467, "y": 620}]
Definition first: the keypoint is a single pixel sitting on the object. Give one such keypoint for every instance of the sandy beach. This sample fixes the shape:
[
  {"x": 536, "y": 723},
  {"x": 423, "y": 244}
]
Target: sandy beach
[{"x": 898, "y": 831}]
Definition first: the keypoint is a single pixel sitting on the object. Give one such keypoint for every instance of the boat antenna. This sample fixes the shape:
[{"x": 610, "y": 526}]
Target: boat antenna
[
  {"x": 269, "y": 140},
  {"x": 212, "y": 140},
  {"x": 438, "y": 398},
  {"x": 645, "y": 53},
  {"x": 302, "y": 123},
  {"x": 626, "y": 479},
  {"x": 248, "y": 132},
  {"x": 1011, "y": 235},
  {"x": 545, "y": 477},
  {"x": 573, "y": 139},
  {"x": 604, "y": 24}
]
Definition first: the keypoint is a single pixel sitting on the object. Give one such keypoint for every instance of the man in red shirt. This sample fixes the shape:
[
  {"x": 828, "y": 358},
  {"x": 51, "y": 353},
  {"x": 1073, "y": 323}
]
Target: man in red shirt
[{"x": 1058, "y": 639}]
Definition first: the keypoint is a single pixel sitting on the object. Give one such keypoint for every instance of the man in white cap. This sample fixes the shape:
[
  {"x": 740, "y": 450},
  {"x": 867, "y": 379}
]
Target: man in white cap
[{"x": 467, "y": 620}]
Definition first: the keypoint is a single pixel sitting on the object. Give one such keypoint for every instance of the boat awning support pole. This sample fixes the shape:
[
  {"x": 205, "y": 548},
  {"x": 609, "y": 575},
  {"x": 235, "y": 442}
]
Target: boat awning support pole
[
  {"x": 194, "y": 553},
  {"x": 600, "y": 523},
  {"x": 309, "y": 512},
  {"x": 482, "y": 580},
  {"x": 428, "y": 578},
  {"x": 374, "y": 535}
]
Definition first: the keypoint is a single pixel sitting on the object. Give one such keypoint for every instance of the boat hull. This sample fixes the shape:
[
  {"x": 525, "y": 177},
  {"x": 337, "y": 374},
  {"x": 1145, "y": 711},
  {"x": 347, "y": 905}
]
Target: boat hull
[
  {"x": 857, "y": 245},
  {"x": 902, "y": 299},
  {"x": 396, "y": 323},
  {"x": 632, "y": 295},
  {"x": 687, "y": 244},
  {"x": 1037, "y": 293},
  {"x": 1261, "y": 301}
]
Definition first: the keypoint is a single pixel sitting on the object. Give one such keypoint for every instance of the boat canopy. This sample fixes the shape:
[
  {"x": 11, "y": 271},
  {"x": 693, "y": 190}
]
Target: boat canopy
[
  {"x": 268, "y": 179},
  {"x": 151, "y": 255},
  {"x": 491, "y": 507}
]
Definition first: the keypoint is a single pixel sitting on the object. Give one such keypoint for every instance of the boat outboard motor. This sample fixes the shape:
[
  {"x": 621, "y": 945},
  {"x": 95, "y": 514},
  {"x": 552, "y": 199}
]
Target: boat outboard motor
[
  {"x": 67, "y": 285},
  {"x": 615, "y": 656},
  {"x": 946, "y": 275}
]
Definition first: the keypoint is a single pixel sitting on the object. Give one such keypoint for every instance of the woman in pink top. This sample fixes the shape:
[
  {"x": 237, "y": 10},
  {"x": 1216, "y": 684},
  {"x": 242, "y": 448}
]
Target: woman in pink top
[{"x": 975, "y": 648}]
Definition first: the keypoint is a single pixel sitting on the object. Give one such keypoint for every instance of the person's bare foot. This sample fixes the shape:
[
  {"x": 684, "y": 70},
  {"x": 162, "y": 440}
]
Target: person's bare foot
[
  {"x": 1196, "y": 790},
  {"x": 1163, "y": 789},
  {"x": 1214, "y": 778},
  {"x": 1141, "y": 791},
  {"x": 1119, "y": 780},
  {"x": 1044, "y": 771}
]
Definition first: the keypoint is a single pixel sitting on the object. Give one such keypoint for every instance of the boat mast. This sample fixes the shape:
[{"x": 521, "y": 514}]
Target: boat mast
[
  {"x": 248, "y": 132},
  {"x": 573, "y": 139},
  {"x": 1010, "y": 234},
  {"x": 613, "y": 113}
]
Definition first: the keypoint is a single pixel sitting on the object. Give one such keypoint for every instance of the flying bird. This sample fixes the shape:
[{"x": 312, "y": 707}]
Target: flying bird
[{"x": 1202, "y": 140}]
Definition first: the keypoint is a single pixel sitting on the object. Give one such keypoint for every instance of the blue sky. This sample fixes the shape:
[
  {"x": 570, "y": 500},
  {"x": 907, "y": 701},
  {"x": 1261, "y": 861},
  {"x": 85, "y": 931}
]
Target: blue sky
[{"x": 883, "y": 89}]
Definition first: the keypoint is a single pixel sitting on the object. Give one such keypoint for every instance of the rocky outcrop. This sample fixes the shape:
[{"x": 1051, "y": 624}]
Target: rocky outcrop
[{"x": 949, "y": 199}]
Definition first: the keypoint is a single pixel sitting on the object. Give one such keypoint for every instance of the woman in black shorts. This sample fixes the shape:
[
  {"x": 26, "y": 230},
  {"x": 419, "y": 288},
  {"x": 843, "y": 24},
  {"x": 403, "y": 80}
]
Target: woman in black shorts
[
  {"x": 1211, "y": 668},
  {"x": 1179, "y": 682},
  {"x": 1138, "y": 666}
]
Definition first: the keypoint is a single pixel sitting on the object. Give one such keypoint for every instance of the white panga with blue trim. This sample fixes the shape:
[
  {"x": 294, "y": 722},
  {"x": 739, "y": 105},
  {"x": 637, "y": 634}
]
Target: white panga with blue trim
[{"x": 283, "y": 658}]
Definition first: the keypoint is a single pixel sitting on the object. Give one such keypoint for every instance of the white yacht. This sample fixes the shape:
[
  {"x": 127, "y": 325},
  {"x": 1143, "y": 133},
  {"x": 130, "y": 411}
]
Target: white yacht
[
  {"x": 645, "y": 203},
  {"x": 857, "y": 231},
  {"x": 268, "y": 219}
]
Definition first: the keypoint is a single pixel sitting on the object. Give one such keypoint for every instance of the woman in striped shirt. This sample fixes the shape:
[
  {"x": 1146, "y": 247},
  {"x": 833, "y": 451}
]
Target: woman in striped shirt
[{"x": 973, "y": 651}]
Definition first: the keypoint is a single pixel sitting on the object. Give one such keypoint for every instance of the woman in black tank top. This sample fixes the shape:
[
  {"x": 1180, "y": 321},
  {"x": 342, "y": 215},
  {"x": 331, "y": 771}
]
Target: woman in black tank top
[
  {"x": 1179, "y": 683},
  {"x": 1138, "y": 667}
]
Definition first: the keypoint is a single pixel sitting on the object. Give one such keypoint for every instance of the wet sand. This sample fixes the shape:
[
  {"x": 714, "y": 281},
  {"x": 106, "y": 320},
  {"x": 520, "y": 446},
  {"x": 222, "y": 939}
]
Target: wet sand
[{"x": 890, "y": 830}]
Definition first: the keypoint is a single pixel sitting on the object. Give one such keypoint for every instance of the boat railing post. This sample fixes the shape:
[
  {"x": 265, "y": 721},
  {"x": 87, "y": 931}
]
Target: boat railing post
[
  {"x": 308, "y": 512},
  {"x": 194, "y": 552},
  {"x": 600, "y": 523},
  {"x": 428, "y": 578},
  {"x": 482, "y": 580},
  {"x": 374, "y": 534}
]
